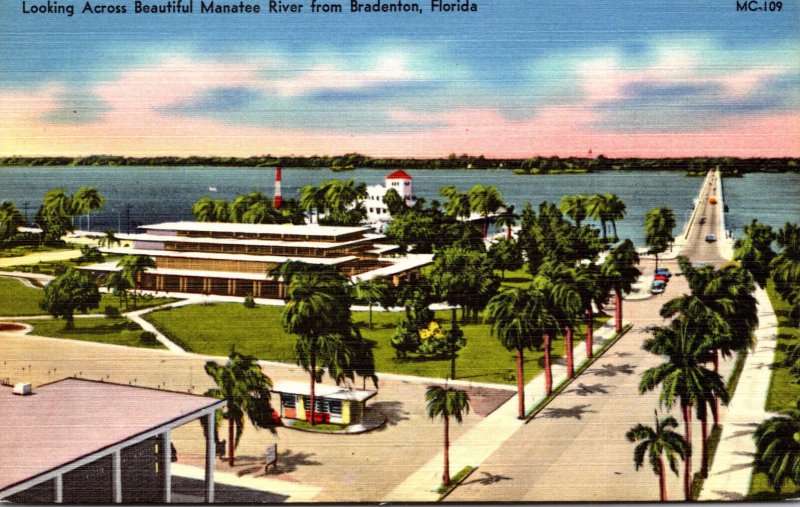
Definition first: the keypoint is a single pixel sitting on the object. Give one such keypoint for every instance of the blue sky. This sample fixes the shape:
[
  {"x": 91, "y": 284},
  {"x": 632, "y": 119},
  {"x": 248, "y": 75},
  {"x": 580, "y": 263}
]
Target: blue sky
[{"x": 517, "y": 78}]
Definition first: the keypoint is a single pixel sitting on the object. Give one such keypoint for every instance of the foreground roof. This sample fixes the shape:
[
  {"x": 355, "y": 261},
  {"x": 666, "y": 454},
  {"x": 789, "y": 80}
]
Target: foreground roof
[
  {"x": 62, "y": 422},
  {"x": 283, "y": 229}
]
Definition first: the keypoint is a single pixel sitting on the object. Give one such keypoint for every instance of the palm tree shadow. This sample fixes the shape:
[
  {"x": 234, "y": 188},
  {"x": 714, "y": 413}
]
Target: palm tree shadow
[
  {"x": 289, "y": 462},
  {"x": 393, "y": 410},
  {"x": 611, "y": 370},
  {"x": 587, "y": 390},
  {"x": 488, "y": 479},
  {"x": 563, "y": 413}
]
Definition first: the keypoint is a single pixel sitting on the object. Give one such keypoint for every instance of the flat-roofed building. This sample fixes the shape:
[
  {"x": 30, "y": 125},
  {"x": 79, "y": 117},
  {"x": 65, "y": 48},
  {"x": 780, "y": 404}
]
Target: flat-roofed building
[
  {"x": 233, "y": 259},
  {"x": 82, "y": 441}
]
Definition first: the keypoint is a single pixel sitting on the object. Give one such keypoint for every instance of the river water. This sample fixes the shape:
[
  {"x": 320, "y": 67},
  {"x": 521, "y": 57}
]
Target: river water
[{"x": 156, "y": 194}]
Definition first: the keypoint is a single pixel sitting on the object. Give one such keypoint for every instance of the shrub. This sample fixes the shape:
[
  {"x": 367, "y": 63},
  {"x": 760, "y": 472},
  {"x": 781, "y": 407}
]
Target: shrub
[
  {"x": 131, "y": 325},
  {"x": 249, "y": 301},
  {"x": 148, "y": 338},
  {"x": 111, "y": 311}
]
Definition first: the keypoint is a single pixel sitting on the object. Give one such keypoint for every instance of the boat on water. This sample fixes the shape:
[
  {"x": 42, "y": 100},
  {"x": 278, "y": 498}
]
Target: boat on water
[{"x": 212, "y": 189}]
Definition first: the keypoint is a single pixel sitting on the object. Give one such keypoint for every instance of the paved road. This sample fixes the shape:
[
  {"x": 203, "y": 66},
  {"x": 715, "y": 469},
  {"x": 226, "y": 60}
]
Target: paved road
[
  {"x": 575, "y": 449},
  {"x": 697, "y": 248}
]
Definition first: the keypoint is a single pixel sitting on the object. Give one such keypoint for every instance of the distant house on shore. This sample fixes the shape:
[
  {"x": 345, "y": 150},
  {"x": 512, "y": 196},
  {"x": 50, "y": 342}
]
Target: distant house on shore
[{"x": 399, "y": 181}]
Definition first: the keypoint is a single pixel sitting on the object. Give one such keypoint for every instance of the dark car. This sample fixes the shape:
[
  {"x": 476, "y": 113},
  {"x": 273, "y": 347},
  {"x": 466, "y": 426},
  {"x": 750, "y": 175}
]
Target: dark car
[
  {"x": 702, "y": 220},
  {"x": 664, "y": 271},
  {"x": 711, "y": 238}
]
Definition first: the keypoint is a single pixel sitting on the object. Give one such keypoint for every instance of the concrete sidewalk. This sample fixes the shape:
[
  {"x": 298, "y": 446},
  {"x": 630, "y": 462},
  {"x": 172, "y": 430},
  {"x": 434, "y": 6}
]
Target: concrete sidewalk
[
  {"x": 729, "y": 477},
  {"x": 475, "y": 446}
]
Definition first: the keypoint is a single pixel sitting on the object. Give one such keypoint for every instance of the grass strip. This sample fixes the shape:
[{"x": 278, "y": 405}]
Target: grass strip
[
  {"x": 455, "y": 481},
  {"x": 713, "y": 442}
]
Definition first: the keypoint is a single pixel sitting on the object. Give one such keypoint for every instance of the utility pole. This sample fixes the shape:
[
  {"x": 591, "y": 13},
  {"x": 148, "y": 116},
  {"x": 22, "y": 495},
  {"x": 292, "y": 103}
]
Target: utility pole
[
  {"x": 128, "y": 218},
  {"x": 25, "y": 207}
]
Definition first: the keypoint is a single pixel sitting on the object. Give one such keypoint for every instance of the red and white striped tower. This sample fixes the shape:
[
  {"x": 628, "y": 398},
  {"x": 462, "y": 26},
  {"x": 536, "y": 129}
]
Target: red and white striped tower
[{"x": 278, "y": 197}]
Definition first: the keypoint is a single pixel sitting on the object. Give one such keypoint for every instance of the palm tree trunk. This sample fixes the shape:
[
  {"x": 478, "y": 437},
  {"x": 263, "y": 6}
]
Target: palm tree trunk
[
  {"x": 548, "y": 374},
  {"x": 603, "y": 226},
  {"x": 662, "y": 479},
  {"x": 231, "y": 447},
  {"x": 656, "y": 253},
  {"x": 313, "y": 384},
  {"x": 485, "y": 225},
  {"x": 446, "y": 473},
  {"x": 715, "y": 405},
  {"x": 618, "y": 310},
  {"x": 589, "y": 332},
  {"x": 568, "y": 340},
  {"x": 704, "y": 446},
  {"x": 508, "y": 232},
  {"x": 687, "y": 470},
  {"x": 370, "y": 316},
  {"x": 520, "y": 385},
  {"x": 614, "y": 225}
]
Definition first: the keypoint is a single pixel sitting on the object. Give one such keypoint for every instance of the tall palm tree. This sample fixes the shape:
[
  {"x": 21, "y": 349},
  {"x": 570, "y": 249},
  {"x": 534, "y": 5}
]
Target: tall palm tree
[
  {"x": 485, "y": 200},
  {"x": 597, "y": 208},
  {"x": 616, "y": 210},
  {"x": 722, "y": 303},
  {"x": 246, "y": 389},
  {"x": 242, "y": 203},
  {"x": 590, "y": 288},
  {"x": 220, "y": 210},
  {"x": 754, "y": 251},
  {"x": 57, "y": 202},
  {"x": 132, "y": 268},
  {"x": 261, "y": 212},
  {"x": 657, "y": 443},
  {"x": 447, "y": 402},
  {"x": 119, "y": 285},
  {"x": 575, "y": 206},
  {"x": 683, "y": 377},
  {"x": 620, "y": 272},
  {"x": 86, "y": 200},
  {"x": 559, "y": 282},
  {"x": 370, "y": 292},
  {"x": 508, "y": 219},
  {"x": 318, "y": 311},
  {"x": 312, "y": 199},
  {"x": 11, "y": 219},
  {"x": 457, "y": 204},
  {"x": 786, "y": 267},
  {"x": 778, "y": 448},
  {"x": 658, "y": 226},
  {"x": 521, "y": 320}
]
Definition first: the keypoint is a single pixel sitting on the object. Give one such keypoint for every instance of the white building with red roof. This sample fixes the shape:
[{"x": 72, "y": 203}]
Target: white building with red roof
[{"x": 399, "y": 181}]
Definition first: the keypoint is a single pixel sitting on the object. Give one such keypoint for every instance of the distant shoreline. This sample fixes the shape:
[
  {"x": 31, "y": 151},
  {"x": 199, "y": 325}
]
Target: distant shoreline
[{"x": 691, "y": 166}]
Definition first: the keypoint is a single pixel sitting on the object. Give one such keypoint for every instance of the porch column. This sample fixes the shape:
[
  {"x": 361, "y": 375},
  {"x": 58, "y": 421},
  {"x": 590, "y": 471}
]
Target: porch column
[
  {"x": 210, "y": 455},
  {"x": 166, "y": 465},
  {"x": 116, "y": 474},
  {"x": 59, "y": 488}
]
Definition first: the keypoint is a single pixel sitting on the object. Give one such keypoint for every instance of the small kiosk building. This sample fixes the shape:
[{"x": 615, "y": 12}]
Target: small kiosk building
[{"x": 338, "y": 405}]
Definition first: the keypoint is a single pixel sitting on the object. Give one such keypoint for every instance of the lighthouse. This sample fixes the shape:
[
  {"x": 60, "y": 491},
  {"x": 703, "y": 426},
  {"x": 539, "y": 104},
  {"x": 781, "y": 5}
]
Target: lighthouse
[{"x": 278, "y": 198}]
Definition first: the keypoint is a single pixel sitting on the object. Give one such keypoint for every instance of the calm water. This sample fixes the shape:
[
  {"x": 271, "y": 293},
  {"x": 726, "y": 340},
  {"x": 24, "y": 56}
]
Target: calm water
[{"x": 157, "y": 194}]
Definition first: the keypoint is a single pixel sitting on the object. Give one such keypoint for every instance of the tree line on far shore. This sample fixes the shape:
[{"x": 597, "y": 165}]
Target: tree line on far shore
[{"x": 730, "y": 166}]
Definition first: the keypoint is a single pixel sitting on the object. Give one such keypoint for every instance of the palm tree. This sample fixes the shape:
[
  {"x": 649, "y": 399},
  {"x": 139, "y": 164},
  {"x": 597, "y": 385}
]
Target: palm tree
[
  {"x": 786, "y": 266},
  {"x": 507, "y": 219},
  {"x": 620, "y": 272},
  {"x": 242, "y": 203},
  {"x": 658, "y": 226},
  {"x": 754, "y": 251},
  {"x": 11, "y": 219},
  {"x": 318, "y": 311},
  {"x": 616, "y": 211},
  {"x": 246, "y": 389},
  {"x": 370, "y": 292},
  {"x": 261, "y": 212},
  {"x": 86, "y": 200},
  {"x": 657, "y": 443},
  {"x": 119, "y": 285},
  {"x": 457, "y": 204},
  {"x": 778, "y": 448},
  {"x": 132, "y": 268},
  {"x": 485, "y": 200},
  {"x": 683, "y": 377},
  {"x": 722, "y": 302},
  {"x": 312, "y": 199},
  {"x": 589, "y": 285},
  {"x": 220, "y": 210},
  {"x": 447, "y": 402},
  {"x": 57, "y": 202},
  {"x": 203, "y": 210},
  {"x": 597, "y": 208},
  {"x": 575, "y": 206},
  {"x": 559, "y": 282},
  {"x": 521, "y": 320},
  {"x": 109, "y": 239}
]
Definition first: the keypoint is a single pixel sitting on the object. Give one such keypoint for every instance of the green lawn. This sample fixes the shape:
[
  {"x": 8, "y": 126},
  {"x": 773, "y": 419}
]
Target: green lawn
[
  {"x": 19, "y": 251},
  {"x": 518, "y": 278},
  {"x": 783, "y": 394},
  {"x": 18, "y": 299},
  {"x": 102, "y": 330},
  {"x": 213, "y": 328}
]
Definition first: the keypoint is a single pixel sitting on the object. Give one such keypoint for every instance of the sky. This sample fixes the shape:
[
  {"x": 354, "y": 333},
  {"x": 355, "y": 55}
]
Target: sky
[{"x": 517, "y": 78}]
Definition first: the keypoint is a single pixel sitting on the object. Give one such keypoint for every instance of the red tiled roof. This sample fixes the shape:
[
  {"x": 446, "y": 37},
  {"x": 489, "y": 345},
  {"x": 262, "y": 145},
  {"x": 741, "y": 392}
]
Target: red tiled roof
[{"x": 399, "y": 175}]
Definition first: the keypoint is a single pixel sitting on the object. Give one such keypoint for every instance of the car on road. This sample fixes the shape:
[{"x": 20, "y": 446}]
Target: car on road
[
  {"x": 658, "y": 287},
  {"x": 664, "y": 271},
  {"x": 710, "y": 238},
  {"x": 662, "y": 278},
  {"x": 712, "y": 200},
  {"x": 702, "y": 220}
]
